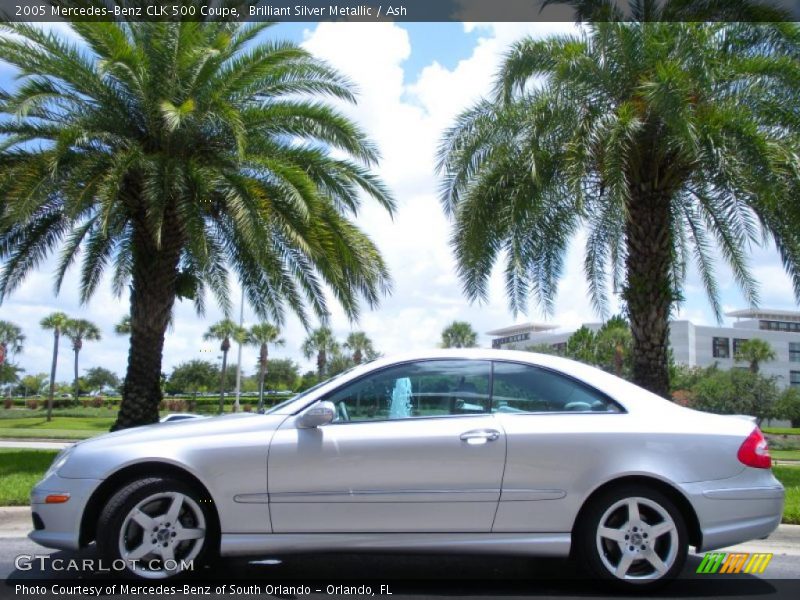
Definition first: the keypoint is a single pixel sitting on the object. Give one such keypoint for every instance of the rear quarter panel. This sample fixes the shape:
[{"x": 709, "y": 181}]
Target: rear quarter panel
[{"x": 555, "y": 461}]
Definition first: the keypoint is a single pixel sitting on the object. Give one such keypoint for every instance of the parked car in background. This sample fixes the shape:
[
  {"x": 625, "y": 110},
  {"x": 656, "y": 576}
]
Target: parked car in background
[{"x": 482, "y": 451}]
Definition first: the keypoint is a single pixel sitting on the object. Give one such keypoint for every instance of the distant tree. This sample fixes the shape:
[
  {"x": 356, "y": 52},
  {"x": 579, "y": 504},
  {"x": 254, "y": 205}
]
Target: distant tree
[
  {"x": 124, "y": 326},
  {"x": 78, "y": 331},
  {"x": 321, "y": 343},
  {"x": 788, "y": 406},
  {"x": 755, "y": 351},
  {"x": 262, "y": 335},
  {"x": 97, "y": 378},
  {"x": 309, "y": 379},
  {"x": 582, "y": 346},
  {"x": 736, "y": 392},
  {"x": 11, "y": 340},
  {"x": 192, "y": 376},
  {"x": 360, "y": 346},
  {"x": 56, "y": 322},
  {"x": 223, "y": 331},
  {"x": 283, "y": 374},
  {"x": 339, "y": 363},
  {"x": 33, "y": 384},
  {"x": 614, "y": 346},
  {"x": 459, "y": 334},
  {"x": 9, "y": 375}
]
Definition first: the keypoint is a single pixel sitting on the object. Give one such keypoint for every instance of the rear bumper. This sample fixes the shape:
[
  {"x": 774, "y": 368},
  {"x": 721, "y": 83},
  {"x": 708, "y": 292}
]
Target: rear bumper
[
  {"x": 58, "y": 525},
  {"x": 742, "y": 508}
]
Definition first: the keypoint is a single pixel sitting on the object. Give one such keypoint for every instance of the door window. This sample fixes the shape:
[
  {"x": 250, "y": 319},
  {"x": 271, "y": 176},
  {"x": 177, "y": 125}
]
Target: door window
[
  {"x": 524, "y": 388},
  {"x": 431, "y": 388}
]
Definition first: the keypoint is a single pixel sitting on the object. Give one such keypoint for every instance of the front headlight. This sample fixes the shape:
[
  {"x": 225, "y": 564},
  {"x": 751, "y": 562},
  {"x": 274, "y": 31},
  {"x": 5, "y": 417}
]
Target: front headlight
[{"x": 60, "y": 460}]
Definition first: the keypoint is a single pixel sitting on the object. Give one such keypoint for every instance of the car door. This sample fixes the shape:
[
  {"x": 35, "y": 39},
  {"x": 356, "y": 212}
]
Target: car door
[{"x": 414, "y": 448}]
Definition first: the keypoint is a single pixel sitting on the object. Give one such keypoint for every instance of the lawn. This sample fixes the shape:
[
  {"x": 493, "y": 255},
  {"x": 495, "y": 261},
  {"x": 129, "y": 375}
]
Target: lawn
[
  {"x": 21, "y": 469},
  {"x": 782, "y": 430},
  {"x": 69, "y": 428},
  {"x": 785, "y": 454}
]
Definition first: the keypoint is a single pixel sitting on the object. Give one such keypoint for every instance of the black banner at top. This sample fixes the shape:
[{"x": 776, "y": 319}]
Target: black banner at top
[{"x": 399, "y": 10}]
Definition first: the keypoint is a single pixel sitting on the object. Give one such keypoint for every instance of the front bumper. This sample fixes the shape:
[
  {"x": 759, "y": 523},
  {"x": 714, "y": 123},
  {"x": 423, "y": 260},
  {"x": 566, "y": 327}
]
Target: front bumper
[
  {"x": 739, "y": 509},
  {"x": 58, "y": 525}
]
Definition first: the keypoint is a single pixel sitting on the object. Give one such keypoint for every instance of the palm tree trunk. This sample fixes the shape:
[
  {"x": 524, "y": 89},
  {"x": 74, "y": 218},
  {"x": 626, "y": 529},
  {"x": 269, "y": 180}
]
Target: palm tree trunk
[
  {"x": 649, "y": 291},
  {"x": 77, "y": 385},
  {"x": 222, "y": 382},
  {"x": 357, "y": 356},
  {"x": 53, "y": 376},
  {"x": 321, "y": 360},
  {"x": 153, "y": 282},
  {"x": 262, "y": 373}
]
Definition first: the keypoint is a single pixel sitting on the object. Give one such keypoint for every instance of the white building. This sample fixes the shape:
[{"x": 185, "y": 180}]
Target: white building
[{"x": 696, "y": 345}]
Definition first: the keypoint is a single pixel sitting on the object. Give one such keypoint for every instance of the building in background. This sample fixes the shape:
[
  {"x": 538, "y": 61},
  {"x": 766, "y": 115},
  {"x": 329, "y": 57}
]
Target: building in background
[{"x": 695, "y": 345}]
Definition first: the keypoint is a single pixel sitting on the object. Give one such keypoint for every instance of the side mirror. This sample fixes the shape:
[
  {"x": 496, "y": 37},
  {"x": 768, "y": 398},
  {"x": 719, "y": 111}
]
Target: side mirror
[{"x": 316, "y": 415}]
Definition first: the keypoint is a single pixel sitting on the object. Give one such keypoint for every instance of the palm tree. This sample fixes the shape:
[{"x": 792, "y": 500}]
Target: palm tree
[
  {"x": 56, "y": 321},
  {"x": 360, "y": 345},
  {"x": 755, "y": 351},
  {"x": 78, "y": 331},
  {"x": 322, "y": 343},
  {"x": 262, "y": 335},
  {"x": 223, "y": 331},
  {"x": 11, "y": 339},
  {"x": 175, "y": 154},
  {"x": 661, "y": 141},
  {"x": 459, "y": 334},
  {"x": 124, "y": 326}
]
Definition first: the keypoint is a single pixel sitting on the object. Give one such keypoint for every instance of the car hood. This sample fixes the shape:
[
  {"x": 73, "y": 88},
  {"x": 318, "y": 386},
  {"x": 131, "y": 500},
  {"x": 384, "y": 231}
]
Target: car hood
[{"x": 185, "y": 429}]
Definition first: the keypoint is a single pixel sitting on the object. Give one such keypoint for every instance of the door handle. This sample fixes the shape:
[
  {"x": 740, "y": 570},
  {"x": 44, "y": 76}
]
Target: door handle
[{"x": 480, "y": 436}]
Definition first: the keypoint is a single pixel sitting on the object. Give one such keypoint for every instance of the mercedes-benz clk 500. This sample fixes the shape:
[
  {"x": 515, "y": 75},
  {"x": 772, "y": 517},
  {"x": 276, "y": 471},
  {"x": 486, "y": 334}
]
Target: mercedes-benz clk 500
[{"x": 448, "y": 451}]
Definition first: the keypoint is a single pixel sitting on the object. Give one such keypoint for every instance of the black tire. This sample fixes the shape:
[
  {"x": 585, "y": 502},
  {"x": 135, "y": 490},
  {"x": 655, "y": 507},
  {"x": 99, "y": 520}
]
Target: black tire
[
  {"x": 599, "y": 555},
  {"x": 196, "y": 515}
]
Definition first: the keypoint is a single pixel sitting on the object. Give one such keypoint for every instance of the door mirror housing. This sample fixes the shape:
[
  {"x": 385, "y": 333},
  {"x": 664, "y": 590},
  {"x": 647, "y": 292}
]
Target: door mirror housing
[{"x": 318, "y": 414}]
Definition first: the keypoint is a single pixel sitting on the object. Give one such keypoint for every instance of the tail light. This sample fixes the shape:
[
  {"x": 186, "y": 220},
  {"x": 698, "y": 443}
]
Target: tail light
[{"x": 754, "y": 452}]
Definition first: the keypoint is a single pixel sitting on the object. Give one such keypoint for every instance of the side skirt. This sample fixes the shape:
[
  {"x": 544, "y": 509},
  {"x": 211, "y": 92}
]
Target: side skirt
[{"x": 531, "y": 544}]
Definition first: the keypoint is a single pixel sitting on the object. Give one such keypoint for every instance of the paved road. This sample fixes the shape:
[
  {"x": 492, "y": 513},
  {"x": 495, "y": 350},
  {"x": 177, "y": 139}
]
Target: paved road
[{"x": 427, "y": 576}]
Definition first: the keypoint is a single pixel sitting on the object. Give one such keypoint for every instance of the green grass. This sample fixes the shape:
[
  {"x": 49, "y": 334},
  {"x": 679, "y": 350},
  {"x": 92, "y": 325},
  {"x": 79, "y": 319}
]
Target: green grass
[
  {"x": 62, "y": 428},
  {"x": 782, "y": 430},
  {"x": 790, "y": 478},
  {"x": 19, "y": 471},
  {"x": 785, "y": 454}
]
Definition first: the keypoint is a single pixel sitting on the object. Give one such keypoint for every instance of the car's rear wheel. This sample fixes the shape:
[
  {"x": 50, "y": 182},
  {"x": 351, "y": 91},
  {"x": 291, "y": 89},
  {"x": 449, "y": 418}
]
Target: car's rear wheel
[
  {"x": 156, "y": 528},
  {"x": 633, "y": 537}
]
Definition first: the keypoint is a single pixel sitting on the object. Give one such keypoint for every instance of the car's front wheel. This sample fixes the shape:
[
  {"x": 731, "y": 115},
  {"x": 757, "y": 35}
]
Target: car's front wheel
[
  {"x": 632, "y": 536},
  {"x": 156, "y": 528}
]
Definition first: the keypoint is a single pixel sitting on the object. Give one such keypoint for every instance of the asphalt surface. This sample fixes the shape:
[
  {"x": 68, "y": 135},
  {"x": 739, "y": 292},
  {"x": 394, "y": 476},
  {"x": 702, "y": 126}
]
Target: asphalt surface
[{"x": 416, "y": 576}]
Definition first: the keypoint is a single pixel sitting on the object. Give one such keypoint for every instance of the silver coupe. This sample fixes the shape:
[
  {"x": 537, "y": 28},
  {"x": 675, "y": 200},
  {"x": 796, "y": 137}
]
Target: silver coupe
[{"x": 481, "y": 451}]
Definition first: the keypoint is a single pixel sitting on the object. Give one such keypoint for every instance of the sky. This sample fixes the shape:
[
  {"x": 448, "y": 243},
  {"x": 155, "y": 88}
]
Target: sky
[{"x": 412, "y": 80}]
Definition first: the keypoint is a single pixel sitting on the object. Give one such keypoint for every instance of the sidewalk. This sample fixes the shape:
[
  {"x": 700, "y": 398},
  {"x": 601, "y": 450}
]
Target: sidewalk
[
  {"x": 35, "y": 444},
  {"x": 15, "y": 522}
]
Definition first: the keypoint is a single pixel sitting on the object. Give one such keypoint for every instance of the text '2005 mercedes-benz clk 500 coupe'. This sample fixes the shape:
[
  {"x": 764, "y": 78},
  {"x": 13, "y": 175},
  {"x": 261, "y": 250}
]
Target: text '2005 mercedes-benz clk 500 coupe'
[{"x": 480, "y": 451}]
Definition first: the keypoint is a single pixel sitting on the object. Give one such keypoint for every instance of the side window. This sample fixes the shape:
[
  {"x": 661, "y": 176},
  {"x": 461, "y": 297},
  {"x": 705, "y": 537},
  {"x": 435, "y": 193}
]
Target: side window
[
  {"x": 421, "y": 389},
  {"x": 523, "y": 388}
]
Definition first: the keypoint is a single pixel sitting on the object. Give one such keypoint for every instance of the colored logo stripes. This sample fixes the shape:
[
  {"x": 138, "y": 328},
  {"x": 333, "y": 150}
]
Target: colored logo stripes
[{"x": 734, "y": 562}]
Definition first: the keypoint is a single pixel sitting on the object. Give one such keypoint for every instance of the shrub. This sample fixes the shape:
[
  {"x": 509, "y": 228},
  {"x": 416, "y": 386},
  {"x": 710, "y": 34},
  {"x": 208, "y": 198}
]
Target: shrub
[
  {"x": 736, "y": 392},
  {"x": 97, "y": 402},
  {"x": 176, "y": 405},
  {"x": 788, "y": 406},
  {"x": 247, "y": 408},
  {"x": 8, "y": 403},
  {"x": 33, "y": 404}
]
